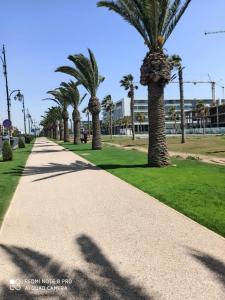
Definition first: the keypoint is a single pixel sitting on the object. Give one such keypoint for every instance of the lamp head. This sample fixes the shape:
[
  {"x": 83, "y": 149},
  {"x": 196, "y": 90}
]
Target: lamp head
[{"x": 19, "y": 96}]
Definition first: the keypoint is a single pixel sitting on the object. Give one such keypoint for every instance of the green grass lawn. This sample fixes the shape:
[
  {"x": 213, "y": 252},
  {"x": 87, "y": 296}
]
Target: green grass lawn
[
  {"x": 193, "y": 188},
  {"x": 8, "y": 183},
  {"x": 206, "y": 145}
]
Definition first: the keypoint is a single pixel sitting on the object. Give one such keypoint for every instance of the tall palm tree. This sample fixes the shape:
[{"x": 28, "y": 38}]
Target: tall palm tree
[
  {"x": 173, "y": 117},
  {"x": 74, "y": 99},
  {"x": 108, "y": 106},
  {"x": 140, "y": 118},
  {"x": 87, "y": 113},
  {"x": 128, "y": 83},
  {"x": 155, "y": 20},
  {"x": 177, "y": 62},
  {"x": 87, "y": 74}
]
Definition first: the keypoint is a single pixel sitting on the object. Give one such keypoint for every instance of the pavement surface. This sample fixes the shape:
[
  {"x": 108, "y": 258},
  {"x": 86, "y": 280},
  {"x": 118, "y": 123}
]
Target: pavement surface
[{"x": 74, "y": 231}]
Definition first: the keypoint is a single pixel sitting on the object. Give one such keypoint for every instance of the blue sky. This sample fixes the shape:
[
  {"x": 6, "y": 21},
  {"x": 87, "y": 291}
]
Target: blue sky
[{"x": 40, "y": 34}]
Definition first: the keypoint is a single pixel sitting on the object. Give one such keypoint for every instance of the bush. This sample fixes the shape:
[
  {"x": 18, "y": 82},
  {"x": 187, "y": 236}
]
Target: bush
[
  {"x": 7, "y": 153},
  {"x": 21, "y": 143},
  {"x": 28, "y": 139}
]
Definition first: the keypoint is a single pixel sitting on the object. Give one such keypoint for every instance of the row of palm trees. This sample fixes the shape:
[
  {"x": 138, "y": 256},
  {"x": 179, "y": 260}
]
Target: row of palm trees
[{"x": 155, "y": 21}]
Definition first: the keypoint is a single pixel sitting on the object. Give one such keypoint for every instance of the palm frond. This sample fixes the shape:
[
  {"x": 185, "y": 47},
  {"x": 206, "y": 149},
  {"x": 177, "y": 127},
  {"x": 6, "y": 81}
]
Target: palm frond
[{"x": 155, "y": 20}]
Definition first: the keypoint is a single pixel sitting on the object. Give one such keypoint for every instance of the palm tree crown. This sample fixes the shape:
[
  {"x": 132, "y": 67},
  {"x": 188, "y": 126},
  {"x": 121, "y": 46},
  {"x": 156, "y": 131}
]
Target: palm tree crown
[
  {"x": 128, "y": 82},
  {"x": 85, "y": 71},
  {"x": 107, "y": 103},
  {"x": 155, "y": 20}
]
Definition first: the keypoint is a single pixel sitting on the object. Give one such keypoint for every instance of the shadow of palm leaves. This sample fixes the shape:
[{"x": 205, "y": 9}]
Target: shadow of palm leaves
[
  {"x": 216, "y": 266},
  {"x": 101, "y": 280},
  {"x": 55, "y": 169}
]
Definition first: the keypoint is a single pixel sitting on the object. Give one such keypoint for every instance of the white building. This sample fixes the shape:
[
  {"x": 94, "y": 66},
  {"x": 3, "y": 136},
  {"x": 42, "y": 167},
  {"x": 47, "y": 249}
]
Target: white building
[{"x": 122, "y": 109}]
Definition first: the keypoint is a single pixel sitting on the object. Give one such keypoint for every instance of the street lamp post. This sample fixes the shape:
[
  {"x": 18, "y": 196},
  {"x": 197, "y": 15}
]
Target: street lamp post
[
  {"x": 20, "y": 97},
  {"x": 3, "y": 59}
]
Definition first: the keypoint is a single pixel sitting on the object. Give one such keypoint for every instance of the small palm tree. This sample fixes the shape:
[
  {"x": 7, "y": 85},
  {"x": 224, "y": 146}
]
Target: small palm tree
[
  {"x": 50, "y": 122},
  {"x": 202, "y": 112},
  {"x": 87, "y": 74},
  {"x": 74, "y": 100},
  {"x": 140, "y": 118},
  {"x": 108, "y": 106},
  {"x": 61, "y": 98},
  {"x": 128, "y": 83},
  {"x": 173, "y": 117},
  {"x": 126, "y": 120},
  {"x": 177, "y": 62},
  {"x": 155, "y": 20},
  {"x": 87, "y": 113}
]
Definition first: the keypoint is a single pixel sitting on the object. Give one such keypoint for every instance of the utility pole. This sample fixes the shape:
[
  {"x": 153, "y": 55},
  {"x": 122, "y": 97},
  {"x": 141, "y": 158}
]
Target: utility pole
[{"x": 6, "y": 82}]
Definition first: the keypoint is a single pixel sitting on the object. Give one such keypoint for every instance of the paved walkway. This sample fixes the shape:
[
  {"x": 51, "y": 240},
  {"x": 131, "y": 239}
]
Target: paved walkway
[{"x": 70, "y": 221}]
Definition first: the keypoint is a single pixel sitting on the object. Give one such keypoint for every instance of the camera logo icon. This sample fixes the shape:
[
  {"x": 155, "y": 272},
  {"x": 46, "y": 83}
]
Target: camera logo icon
[{"x": 15, "y": 284}]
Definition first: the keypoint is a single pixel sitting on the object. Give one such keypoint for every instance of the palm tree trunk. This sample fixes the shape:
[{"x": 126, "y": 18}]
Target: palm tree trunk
[
  {"x": 110, "y": 115},
  {"x": 96, "y": 139},
  {"x": 55, "y": 131},
  {"x": 76, "y": 127},
  {"x": 88, "y": 115},
  {"x": 132, "y": 113},
  {"x": 158, "y": 155},
  {"x": 94, "y": 107},
  {"x": 181, "y": 86},
  {"x": 65, "y": 125},
  {"x": 60, "y": 130}
]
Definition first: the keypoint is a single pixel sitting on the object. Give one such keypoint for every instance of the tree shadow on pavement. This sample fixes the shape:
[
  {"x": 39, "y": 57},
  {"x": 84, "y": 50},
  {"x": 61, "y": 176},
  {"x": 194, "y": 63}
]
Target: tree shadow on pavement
[
  {"x": 216, "y": 266},
  {"x": 48, "y": 151},
  {"x": 54, "y": 169},
  {"x": 98, "y": 280}
]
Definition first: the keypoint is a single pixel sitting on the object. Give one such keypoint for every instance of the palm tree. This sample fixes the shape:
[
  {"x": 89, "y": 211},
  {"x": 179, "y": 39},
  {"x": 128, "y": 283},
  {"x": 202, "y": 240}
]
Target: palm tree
[
  {"x": 202, "y": 111},
  {"x": 177, "y": 62},
  {"x": 139, "y": 117},
  {"x": 50, "y": 122},
  {"x": 61, "y": 98},
  {"x": 128, "y": 83},
  {"x": 87, "y": 74},
  {"x": 173, "y": 117},
  {"x": 155, "y": 20},
  {"x": 108, "y": 106},
  {"x": 126, "y": 120},
  {"x": 74, "y": 100},
  {"x": 87, "y": 112}
]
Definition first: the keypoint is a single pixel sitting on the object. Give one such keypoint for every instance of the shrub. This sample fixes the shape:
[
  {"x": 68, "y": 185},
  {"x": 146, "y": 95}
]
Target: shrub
[
  {"x": 21, "y": 143},
  {"x": 7, "y": 153},
  {"x": 28, "y": 139}
]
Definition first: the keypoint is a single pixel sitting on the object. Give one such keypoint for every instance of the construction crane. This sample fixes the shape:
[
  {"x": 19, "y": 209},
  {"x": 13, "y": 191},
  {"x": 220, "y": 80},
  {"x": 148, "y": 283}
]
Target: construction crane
[
  {"x": 214, "y": 32},
  {"x": 213, "y": 87}
]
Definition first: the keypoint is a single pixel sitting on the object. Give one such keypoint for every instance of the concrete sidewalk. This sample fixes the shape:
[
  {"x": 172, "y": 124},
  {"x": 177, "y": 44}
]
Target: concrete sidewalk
[{"x": 74, "y": 231}]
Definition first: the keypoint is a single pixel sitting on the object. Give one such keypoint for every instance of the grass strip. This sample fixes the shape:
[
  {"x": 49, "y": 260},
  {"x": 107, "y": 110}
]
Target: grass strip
[
  {"x": 195, "y": 189},
  {"x": 8, "y": 183}
]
